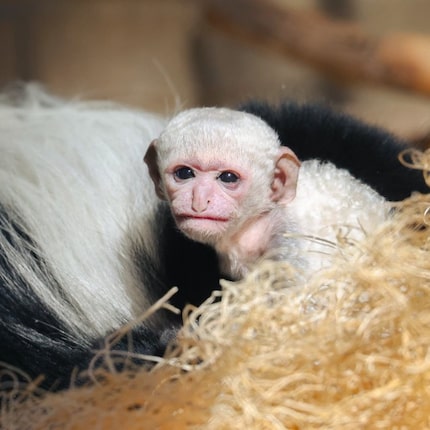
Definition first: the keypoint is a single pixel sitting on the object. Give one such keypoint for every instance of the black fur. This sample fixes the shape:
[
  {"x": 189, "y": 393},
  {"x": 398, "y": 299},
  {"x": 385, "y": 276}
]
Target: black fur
[
  {"x": 191, "y": 266},
  {"x": 32, "y": 338},
  {"x": 369, "y": 153}
]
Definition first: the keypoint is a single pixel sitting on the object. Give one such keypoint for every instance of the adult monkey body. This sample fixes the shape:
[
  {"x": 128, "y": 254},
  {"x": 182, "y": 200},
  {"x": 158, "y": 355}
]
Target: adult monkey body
[{"x": 81, "y": 251}]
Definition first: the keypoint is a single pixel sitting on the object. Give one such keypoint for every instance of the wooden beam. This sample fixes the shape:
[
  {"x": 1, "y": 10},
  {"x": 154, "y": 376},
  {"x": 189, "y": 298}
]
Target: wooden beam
[{"x": 339, "y": 48}]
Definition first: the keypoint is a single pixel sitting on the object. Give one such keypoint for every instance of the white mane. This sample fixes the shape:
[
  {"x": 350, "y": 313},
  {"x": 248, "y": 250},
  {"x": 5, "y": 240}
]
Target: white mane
[{"x": 74, "y": 173}]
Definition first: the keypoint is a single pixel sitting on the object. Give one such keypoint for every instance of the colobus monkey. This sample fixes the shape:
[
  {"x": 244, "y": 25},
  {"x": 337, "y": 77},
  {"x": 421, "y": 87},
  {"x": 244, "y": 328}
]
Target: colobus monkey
[
  {"x": 230, "y": 184},
  {"x": 86, "y": 245}
]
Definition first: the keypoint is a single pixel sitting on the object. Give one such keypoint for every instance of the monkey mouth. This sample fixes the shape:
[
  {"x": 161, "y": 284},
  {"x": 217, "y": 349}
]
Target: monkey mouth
[
  {"x": 205, "y": 229},
  {"x": 200, "y": 218}
]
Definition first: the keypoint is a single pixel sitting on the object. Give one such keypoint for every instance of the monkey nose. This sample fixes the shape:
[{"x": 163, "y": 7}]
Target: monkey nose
[
  {"x": 200, "y": 205},
  {"x": 200, "y": 201}
]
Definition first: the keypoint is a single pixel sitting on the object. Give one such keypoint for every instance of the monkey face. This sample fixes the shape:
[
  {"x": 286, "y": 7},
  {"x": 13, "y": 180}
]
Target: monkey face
[
  {"x": 205, "y": 198},
  {"x": 221, "y": 171}
]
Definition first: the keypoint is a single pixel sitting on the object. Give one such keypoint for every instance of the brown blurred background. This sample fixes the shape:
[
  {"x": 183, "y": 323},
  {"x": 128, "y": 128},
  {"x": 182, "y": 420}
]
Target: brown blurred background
[{"x": 164, "y": 54}]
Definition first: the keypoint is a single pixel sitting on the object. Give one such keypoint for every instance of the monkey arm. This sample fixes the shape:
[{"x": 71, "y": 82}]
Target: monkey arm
[{"x": 369, "y": 153}]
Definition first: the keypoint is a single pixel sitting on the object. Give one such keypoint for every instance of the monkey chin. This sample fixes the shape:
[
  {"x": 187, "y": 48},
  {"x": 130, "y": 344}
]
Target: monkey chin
[{"x": 201, "y": 229}]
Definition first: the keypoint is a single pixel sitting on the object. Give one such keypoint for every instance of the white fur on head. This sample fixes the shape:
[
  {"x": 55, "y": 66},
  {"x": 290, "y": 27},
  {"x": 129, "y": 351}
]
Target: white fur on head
[
  {"x": 237, "y": 138},
  {"x": 209, "y": 130}
]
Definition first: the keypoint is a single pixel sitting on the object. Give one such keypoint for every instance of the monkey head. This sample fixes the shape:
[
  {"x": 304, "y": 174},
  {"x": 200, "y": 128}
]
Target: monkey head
[{"x": 220, "y": 169}]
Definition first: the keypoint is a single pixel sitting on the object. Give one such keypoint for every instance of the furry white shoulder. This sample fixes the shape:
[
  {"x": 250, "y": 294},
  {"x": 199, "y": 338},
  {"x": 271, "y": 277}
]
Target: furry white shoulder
[{"x": 331, "y": 204}]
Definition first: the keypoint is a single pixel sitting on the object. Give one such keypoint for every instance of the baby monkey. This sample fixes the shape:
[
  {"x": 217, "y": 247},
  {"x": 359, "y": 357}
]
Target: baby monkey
[{"x": 232, "y": 185}]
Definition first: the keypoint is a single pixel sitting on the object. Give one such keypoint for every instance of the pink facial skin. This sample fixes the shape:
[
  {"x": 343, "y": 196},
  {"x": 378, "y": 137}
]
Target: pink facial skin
[{"x": 205, "y": 197}]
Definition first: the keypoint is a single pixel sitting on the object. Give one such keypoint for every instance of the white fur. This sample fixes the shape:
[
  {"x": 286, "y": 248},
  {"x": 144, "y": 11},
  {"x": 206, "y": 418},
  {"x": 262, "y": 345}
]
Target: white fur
[
  {"x": 202, "y": 132},
  {"x": 329, "y": 203},
  {"x": 75, "y": 173}
]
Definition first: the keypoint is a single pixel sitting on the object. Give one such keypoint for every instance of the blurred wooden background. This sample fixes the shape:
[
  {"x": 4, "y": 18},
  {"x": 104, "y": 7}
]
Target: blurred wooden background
[{"x": 162, "y": 55}]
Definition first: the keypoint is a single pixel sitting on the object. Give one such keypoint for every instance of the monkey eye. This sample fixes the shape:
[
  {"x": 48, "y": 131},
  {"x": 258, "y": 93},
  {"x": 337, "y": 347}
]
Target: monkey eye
[
  {"x": 228, "y": 177},
  {"x": 184, "y": 173}
]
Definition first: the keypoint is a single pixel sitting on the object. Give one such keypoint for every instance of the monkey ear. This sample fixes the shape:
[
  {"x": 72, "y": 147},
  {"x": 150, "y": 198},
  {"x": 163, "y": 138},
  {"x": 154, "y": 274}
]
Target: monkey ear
[
  {"x": 150, "y": 160},
  {"x": 285, "y": 176}
]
